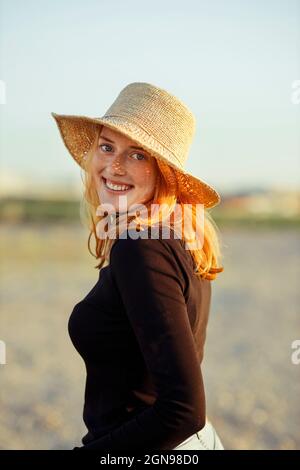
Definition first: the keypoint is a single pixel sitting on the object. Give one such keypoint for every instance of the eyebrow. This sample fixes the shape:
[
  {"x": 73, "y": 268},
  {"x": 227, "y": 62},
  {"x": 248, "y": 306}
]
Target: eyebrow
[{"x": 112, "y": 142}]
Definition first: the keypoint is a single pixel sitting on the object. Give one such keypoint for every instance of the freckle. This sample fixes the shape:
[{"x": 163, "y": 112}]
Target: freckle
[{"x": 117, "y": 165}]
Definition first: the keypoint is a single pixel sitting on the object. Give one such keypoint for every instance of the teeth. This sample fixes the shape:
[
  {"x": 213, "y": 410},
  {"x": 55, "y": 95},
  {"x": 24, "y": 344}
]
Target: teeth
[{"x": 116, "y": 187}]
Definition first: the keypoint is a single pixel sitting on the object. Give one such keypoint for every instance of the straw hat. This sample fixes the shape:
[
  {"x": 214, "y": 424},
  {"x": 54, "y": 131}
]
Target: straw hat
[{"x": 155, "y": 119}]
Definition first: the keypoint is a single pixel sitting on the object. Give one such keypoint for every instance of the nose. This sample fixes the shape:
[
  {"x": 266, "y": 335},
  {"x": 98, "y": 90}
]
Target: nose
[{"x": 117, "y": 166}]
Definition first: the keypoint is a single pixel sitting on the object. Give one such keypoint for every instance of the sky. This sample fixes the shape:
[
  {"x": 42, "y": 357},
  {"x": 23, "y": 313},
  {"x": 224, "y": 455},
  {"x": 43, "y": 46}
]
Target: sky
[{"x": 232, "y": 62}]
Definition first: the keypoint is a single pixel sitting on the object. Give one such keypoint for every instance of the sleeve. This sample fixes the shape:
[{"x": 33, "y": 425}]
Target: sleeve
[{"x": 151, "y": 286}]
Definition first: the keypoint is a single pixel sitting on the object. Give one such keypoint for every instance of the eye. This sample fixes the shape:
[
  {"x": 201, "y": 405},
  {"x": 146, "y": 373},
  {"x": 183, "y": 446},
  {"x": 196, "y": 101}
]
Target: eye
[
  {"x": 140, "y": 155},
  {"x": 104, "y": 145}
]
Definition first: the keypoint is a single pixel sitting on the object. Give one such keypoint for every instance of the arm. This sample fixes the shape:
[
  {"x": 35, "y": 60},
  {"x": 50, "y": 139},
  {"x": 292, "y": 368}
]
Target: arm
[{"x": 151, "y": 286}]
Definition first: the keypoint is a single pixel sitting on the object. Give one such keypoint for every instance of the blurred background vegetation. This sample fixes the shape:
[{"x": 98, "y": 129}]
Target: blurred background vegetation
[{"x": 251, "y": 208}]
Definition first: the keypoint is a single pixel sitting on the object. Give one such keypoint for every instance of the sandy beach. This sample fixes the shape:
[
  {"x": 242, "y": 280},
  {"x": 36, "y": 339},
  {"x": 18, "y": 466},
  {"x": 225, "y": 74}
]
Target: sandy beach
[{"x": 252, "y": 386}]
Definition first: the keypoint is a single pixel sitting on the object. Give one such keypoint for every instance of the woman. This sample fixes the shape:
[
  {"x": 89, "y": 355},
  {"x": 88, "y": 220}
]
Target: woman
[{"x": 141, "y": 329}]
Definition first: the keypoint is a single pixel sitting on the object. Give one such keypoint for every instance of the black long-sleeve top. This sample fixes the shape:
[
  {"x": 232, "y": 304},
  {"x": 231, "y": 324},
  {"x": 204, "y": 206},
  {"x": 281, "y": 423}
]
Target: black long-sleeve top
[{"x": 144, "y": 388}]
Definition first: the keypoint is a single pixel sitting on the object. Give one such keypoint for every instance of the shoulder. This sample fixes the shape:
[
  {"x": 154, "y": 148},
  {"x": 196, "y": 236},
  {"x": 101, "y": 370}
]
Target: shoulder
[
  {"x": 138, "y": 244},
  {"x": 145, "y": 243},
  {"x": 155, "y": 251}
]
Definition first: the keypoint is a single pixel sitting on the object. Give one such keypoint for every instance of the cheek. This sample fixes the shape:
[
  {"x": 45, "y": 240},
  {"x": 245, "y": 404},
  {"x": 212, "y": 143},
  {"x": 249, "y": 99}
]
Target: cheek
[
  {"x": 145, "y": 177},
  {"x": 97, "y": 163}
]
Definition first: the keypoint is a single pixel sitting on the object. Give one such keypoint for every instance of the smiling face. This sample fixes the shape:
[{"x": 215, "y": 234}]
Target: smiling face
[{"x": 121, "y": 168}]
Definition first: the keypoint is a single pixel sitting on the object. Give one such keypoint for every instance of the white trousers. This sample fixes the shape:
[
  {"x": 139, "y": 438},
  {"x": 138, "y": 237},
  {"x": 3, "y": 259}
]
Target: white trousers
[{"x": 205, "y": 439}]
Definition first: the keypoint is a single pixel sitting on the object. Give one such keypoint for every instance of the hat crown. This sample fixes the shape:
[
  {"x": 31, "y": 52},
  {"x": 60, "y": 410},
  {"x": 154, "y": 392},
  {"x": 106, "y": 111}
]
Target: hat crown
[{"x": 158, "y": 113}]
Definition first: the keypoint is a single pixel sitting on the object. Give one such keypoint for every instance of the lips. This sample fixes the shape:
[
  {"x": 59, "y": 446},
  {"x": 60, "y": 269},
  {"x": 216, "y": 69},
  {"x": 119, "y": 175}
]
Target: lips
[{"x": 116, "y": 183}]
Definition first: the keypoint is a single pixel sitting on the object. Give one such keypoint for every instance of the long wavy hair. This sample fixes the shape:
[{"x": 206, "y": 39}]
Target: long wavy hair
[{"x": 206, "y": 257}]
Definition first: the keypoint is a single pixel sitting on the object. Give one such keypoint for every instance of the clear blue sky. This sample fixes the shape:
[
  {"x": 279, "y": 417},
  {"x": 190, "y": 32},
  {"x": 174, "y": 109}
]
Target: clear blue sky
[{"x": 232, "y": 62}]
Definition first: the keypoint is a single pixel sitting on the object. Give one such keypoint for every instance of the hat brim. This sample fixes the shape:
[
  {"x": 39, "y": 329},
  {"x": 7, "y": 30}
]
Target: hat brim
[{"x": 78, "y": 134}]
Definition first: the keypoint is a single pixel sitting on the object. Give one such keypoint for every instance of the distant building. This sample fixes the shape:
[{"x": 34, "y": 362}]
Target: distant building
[{"x": 268, "y": 202}]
